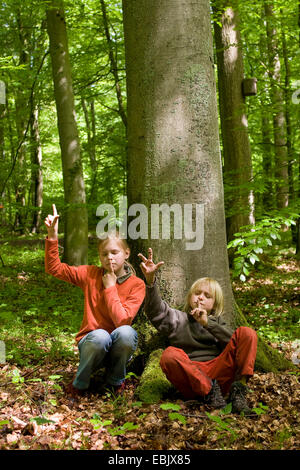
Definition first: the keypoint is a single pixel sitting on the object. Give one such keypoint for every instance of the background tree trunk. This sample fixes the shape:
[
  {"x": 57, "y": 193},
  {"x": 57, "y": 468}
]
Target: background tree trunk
[
  {"x": 279, "y": 122},
  {"x": 36, "y": 172},
  {"x": 21, "y": 103},
  {"x": 76, "y": 221},
  {"x": 234, "y": 123}
]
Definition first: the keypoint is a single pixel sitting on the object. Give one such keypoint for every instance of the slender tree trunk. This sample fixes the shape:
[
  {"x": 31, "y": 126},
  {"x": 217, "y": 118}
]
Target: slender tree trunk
[
  {"x": 279, "y": 121},
  {"x": 297, "y": 236},
  {"x": 21, "y": 124},
  {"x": 113, "y": 64},
  {"x": 2, "y": 159},
  {"x": 89, "y": 115},
  {"x": 173, "y": 141},
  {"x": 36, "y": 172},
  {"x": 287, "y": 100},
  {"x": 268, "y": 197},
  {"x": 234, "y": 123},
  {"x": 76, "y": 221}
]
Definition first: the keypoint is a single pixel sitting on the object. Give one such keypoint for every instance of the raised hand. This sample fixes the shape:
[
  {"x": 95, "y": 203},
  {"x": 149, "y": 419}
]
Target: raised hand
[
  {"x": 51, "y": 223},
  {"x": 109, "y": 278},
  {"x": 148, "y": 267}
]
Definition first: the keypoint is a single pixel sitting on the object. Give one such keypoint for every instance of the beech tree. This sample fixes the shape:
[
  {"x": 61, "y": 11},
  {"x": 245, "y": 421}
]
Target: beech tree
[
  {"x": 76, "y": 221},
  {"x": 279, "y": 117},
  {"x": 234, "y": 123},
  {"x": 173, "y": 142}
]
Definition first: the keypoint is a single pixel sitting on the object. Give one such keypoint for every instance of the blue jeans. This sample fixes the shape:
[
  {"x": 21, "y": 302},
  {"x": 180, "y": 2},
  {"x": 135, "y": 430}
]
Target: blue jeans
[{"x": 99, "y": 349}]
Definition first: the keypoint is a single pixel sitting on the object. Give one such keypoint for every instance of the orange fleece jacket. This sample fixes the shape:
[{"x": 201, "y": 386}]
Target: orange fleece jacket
[{"x": 103, "y": 308}]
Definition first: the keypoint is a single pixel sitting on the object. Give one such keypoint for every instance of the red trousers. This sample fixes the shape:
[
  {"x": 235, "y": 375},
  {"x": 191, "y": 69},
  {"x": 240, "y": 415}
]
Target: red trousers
[{"x": 193, "y": 378}]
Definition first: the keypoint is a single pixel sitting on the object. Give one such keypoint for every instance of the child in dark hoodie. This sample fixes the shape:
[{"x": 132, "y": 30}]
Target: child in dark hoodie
[{"x": 206, "y": 358}]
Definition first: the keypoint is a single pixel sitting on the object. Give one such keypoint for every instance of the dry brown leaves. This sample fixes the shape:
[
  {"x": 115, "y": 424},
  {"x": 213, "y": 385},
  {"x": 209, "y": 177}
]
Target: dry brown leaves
[{"x": 61, "y": 423}]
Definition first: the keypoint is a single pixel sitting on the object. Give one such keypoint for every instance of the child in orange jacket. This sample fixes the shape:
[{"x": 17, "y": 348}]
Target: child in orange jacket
[{"x": 112, "y": 298}]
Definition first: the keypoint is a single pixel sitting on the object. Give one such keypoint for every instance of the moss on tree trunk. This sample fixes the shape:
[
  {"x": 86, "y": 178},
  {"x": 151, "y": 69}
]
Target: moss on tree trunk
[{"x": 153, "y": 384}]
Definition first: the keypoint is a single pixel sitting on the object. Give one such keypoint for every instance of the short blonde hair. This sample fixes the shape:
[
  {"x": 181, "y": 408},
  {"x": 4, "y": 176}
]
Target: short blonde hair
[{"x": 215, "y": 290}]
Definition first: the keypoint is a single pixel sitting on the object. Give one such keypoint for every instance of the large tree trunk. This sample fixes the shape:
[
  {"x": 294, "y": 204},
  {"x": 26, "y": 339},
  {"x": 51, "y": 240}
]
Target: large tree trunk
[
  {"x": 173, "y": 142},
  {"x": 76, "y": 227},
  {"x": 234, "y": 123}
]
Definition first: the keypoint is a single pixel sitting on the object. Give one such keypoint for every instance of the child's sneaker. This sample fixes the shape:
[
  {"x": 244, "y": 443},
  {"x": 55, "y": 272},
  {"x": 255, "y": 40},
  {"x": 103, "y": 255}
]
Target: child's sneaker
[
  {"x": 215, "y": 398},
  {"x": 237, "y": 397}
]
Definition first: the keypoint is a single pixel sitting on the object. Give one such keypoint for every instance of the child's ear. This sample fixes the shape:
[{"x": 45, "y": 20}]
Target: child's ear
[{"x": 127, "y": 253}]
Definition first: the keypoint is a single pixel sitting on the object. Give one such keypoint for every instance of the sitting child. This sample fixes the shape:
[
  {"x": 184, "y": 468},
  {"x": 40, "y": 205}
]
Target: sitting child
[
  {"x": 112, "y": 298},
  {"x": 205, "y": 357}
]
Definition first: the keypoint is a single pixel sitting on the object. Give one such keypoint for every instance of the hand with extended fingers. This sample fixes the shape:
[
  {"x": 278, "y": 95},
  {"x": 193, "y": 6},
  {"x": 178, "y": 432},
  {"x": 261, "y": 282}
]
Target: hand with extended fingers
[
  {"x": 109, "y": 279},
  {"x": 200, "y": 314},
  {"x": 51, "y": 223},
  {"x": 148, "y": 267}
]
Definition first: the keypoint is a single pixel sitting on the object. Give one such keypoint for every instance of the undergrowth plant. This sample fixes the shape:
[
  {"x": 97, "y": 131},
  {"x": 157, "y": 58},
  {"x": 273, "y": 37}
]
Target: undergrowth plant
[{"x": 253, "y": 240}]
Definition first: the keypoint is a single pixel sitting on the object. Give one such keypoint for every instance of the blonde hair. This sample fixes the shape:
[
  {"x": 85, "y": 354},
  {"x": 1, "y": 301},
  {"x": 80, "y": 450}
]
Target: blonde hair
[
  {"x": 122, "y": 243},
  {"x": 215, "y": 290}
]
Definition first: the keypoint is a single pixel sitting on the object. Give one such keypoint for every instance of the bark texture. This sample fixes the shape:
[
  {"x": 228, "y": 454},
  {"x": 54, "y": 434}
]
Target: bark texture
[
  {"x": 76, "y": 227},
  {"x": 234, "y": 123},
  {"x": 173, "y": 141}
]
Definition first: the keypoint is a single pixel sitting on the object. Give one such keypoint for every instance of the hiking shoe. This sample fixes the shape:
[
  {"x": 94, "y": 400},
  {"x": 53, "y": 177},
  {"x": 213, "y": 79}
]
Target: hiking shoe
[
  {"x": 215, "y": 398},
  {"x": 237, "y": 397}
]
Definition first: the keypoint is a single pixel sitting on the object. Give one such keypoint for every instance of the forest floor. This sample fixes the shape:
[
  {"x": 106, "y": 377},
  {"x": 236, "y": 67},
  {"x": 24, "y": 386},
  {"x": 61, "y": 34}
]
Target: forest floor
[{"x": 38, "y": 326}]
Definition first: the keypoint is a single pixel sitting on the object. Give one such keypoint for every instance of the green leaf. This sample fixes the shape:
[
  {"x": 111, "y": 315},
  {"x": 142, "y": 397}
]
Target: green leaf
[
  {"x": 178, "y": 416},
  {"x": 227, "y": 409},
  {"x": 138, "y": 404},
  {"x": 41, "y": 420},
  {"x": 170, "y": 406},
  {"x": 54, "y": 377},
  {"x": 2, "y": 423}
]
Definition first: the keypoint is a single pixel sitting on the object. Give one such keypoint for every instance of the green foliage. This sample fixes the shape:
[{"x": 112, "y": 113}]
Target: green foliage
[
  {"x": 174, "y": 415},
  {"x": 120, "y": 430},
  {"x": 98, "y": 423},
  {"x": 42, "y": 420},
  {"x": 222, "y": 425},
  {"x": 260, "y": 409},
  {"x": 254, "y": 240},
  {"x": 31, "y": 331},
  {"x": 170, "y": 406}
]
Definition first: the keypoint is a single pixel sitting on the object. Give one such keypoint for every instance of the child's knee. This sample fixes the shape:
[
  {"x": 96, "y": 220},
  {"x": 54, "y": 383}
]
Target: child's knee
[
  {"x": 168, "y": 356},
  {"x": 247, "y": 333},
  {"x": 126, "y": 336},
  {"x": 97, "y": 341}
]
